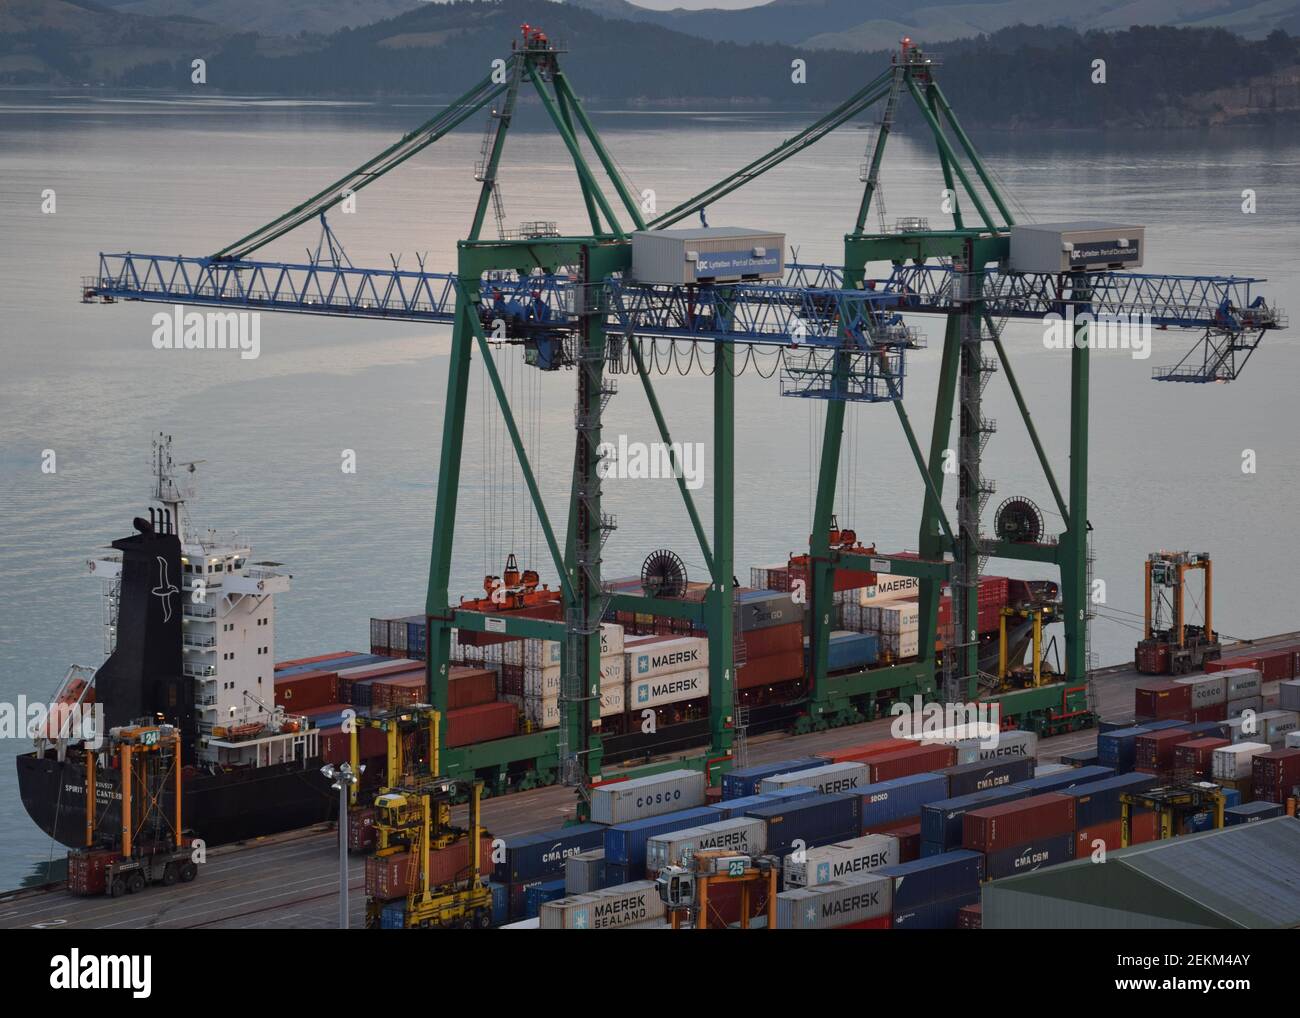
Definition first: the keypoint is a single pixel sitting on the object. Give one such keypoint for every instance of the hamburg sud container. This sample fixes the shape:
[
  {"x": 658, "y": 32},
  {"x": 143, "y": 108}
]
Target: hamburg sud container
[
  {"x": 837, "y": 903},
  {"x": 837, "y": 777},
  {"x": 744, "y": 781},
  {"x": 621, "y": 801},
  {"x": 739, "y": 834},
  {"x": 985, "y": 774},
  {"x": 1011, "y": 824},
  {"x": 729, "y": 808},
  {"x": 607, "y": 909},
  {"x": 952, "y": 875},
  {"x": 625, "y": 844},
  {"x": 1047, "y": 851},
  {"x": 840, "y": 861},
  {"x": 891, "y": 802},
  {"x": 819, "y": 820}
]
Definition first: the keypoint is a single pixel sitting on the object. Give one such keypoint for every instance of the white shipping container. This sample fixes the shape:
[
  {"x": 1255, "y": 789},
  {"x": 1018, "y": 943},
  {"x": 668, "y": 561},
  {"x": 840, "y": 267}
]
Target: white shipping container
[
  {"x": 836, "y": 777},
  {"x": 999, "y": 746},
  {"x": 1288, "y": 694},
  {"x": 901, "y": 644},
  {"x": 545, "y": 711},
  {"x": 739, "y": 834},
  {"x": 889, "y": 588},
  {"x": 1293, "y": 740},
  {"x": 666, "y": 657},
  {"x": 1207, "y": 690},
  {"x": 547, "y": 652},
  {"x": 607, "y": 909},
  {"x": 677, "y": 687},
  {"x": 1231, "y": 763},
  {"x": 647, "y": 797},
  {"x": 898, "y": 617},
  {"x": 837, "y": 862},
  {"x": 546, "y": 681},
  {"x": 1242, "y": 682},
  {"x": 838, "y": 903}
]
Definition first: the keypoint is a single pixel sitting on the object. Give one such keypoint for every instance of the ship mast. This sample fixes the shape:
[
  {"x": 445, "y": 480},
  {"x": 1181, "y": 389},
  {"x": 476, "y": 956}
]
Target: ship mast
[{"x": 167, "y": 492}]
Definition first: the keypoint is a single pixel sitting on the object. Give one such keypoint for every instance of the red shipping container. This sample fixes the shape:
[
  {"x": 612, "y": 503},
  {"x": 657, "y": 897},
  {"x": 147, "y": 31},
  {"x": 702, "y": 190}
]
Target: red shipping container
[
  {"x": 1155, "y": 750},
  {"x": 86, "y": 870},
  {"x": 970, "y": 917},
  {"x": 771, "y": 669},
  {"x": 1153, "y": 658},
  {"x": 1010, "y": 824},
  {"x": 469, "y": 687},
  {"x": 773, "y": 640},
  {"x": 1194, "y": 757},
  {"x": 549, "y": 611},
  {"x": 1217, "y": 712},
  {"x": 334, "y": 655},
  {"x": 1108, "y": 833},
  {"x": 1276, "y": 774},
  {"x": 361, "y": 829},
  {"x": 306, "y": 689},
  {"x": 394, "y": 876},
  {"x": 865, "y": 750},
  {"x": 725, "y": 903},
  {"x": 1162, "y": 698},
  {"x": 903, "y": 763},
  {"x": 1274, "y": 665},
  {"x": 327, "y": 710},
  {"x": 883, "y": 922},
  {"x": 336, "y": 744},
  {"x": 909, "y": 840},
  {"x": 480, "y": 723},
  {"x": 1145, "y": 827}
]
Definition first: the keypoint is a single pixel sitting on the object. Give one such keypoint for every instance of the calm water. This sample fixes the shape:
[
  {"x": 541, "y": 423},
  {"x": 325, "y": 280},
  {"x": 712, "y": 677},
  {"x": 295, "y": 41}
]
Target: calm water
[{"x": 186, "y": 178}]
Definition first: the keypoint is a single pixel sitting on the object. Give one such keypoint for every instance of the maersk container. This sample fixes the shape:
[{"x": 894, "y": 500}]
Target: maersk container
[
  {"x": 668, "y": 792},
  {"x": 584, "y": 872},
  {"x": 745, "y": 780},
  {"x": 938, "y": 915},
  {"x": 1243, "y": 718},
  {"x": 941, "y": 822},
  {"x": 729, "y": 808},
  {"x": 840, "y": 861},
  {"x": 888, "y": 802},
  {"x": 982, "y": 775},
  {"x": 838, "y": 903},
  {"x": 1033, "y": 856},
  {"x": 611, "y": 908},
  {"x": 625, "y": 844},
  {"x": 819, "y": 820},
  {"x": 836, "y": 777},
  {"x": 1242, "y": 683},
  {"x": 740, "y": 834},
  {"x": 938, "y": 878},
  {"x": 535, "y": 897},
  {"x": 530, "y": 857},
  {"x": 1250, "y": 812},
  {"x": 1005, "y": 745},
  {"x": 1098, "y": 802},
  {"x": 1275, "y": 724}
]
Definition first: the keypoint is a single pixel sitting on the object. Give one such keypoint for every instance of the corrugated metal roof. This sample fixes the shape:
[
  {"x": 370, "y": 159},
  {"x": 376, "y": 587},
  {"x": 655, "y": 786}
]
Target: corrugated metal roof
[{"x": 1249, "y": 874}]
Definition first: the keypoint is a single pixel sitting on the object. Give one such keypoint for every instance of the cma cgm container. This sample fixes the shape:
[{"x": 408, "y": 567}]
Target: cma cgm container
[
  {"x": 729, "y": 808},
  {"x": 668, "y": 792},
  {"x": 938, "y": 878},
  {"x": 625, "y": 844},
  {"x": 542, "y": 854},
  {"x": 746, "y": 780},
  {"x": 607, "y": 909},
  {"x": 1046, "y": 851},
  {"x": 942, "y": 821},
  {"x": 1009, "y": 824},
  {"x": 835, "y": 904},
  {"x": 840, "y": 861},
  {"x": 837, "y": 777},
  {"x": 819, "y": 820},
  {"x": 739, "y": 834},
  {"x": 985, "y": 774},
  {"x": 889, "y": 802}
]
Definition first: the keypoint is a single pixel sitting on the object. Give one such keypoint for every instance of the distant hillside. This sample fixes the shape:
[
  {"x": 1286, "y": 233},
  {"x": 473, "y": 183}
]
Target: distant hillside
[
  {"x": 276, "y": 17},
  {"x": 875, "y": 24}
]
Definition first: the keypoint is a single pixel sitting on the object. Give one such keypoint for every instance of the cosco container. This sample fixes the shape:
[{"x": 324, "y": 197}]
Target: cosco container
[
  {"x": 1048, "y": 851},
  {"x": 889, "y": 802},
  {"x": 621, "y": 801},
  {"x": 1207, "y": 690},
  {"x": 740, "y": 834},
  {"x": 937, "y": 878},
  {"x": 764, "y": 609},
  {"x": 941, "y": 822},
  {"x": 584, "y": 872},
  {"x": 838, "y": 903},
  {"x": 625, "y": 844},
  {"x": 728, "y": 808},
  {"x": 535, "y": 856},
  {"x": 1009, "y": 824},
  {"x": 985, "y": 774},
  {"x": 611, "y": 908},
  {"x": 819, "y": 820},
  {"x": 745, "y": 780},
  {"x": 836, "y": 777},
  {"x": 840, "y": 861}
]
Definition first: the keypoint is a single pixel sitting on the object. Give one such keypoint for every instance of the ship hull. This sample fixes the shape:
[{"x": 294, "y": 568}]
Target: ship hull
[{"x": 221, "y": 808}]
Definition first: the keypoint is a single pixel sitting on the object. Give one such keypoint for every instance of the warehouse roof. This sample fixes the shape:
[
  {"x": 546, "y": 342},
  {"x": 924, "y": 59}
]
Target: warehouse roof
[{"x": 1244, "y": 876}]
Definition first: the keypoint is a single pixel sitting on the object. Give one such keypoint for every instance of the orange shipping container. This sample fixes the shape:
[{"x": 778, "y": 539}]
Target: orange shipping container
[{"x": 394, "y": 876}]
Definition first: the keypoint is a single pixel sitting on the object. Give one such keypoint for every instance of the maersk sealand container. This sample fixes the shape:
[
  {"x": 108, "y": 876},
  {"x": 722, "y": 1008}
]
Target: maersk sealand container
[
  {"x": 745, "y": 780},
  {"x": 530, "y": 857},
  {"x": 819, "y": 820},
  {"x": 625, "y": 844}
]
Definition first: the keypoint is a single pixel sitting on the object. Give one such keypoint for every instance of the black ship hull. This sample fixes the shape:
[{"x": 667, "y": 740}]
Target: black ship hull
[{"x": 230, "y": 806}]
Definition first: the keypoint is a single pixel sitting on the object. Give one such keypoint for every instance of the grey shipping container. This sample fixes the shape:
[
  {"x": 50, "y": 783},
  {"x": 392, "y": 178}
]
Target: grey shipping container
[
  {"x": 837, "y": 777},
  {"x": 668, "y": 792},
  {"x": 763, "y": 609},
  {"x": 1242, "y": 682},
  {"x": 607, "y": 909},
  {"x": 739, "y": 834},
  {"x": 584, "y": 872},
  {"x": 1207, "y": 690},
  {"x": 718, "y": 253},
  {"x": 838, "y": 903},
  {"x": 840, "y": 861},
  {"x": 1081, "y": 244},
  {"x": 1001, "y": 746},
  {"x": 1288, "y": 694}
]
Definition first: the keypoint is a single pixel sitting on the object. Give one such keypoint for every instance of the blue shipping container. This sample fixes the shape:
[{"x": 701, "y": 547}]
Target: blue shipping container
[
  {"x": 1249, "y": 812},
  {"x": 1118, "y": 748},
  {"x": 535, "y": 856},
  {"x": 818, "y": 820},
  {"x": 338, "y": 664},
  {"x": 393, "y": 916},
  {"x": 536, "y": 897},
  {"x": 1065, "y": 779},
  {"x": 938, "y": 915},
  {"x": 1027, "y": 858},
  {"x": 745, "y": 780},
  {"x": 1098, "y": 802},
  {"x": 847, "y": 650},
  {"x": 729, "y": 808},
  {"x": 939, "y": 878},
  {"x": 1231, "y": 797},
  {"x": 417, "y": 636},
  {"x": 891, "y": 802},
  {"x": 500, "y": 902},
  {"x": 625, "y": 844},
  {"x": 615, "y": 874},
  {"x": 966, "y": 779},
  {"x": 941, "y": 821},
  {"x": 1081, "y": 759}
]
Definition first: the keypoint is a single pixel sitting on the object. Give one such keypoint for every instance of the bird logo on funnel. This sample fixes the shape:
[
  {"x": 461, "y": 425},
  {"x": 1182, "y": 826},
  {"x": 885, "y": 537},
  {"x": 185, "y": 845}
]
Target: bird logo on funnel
[{"x": 165, "y": 589}]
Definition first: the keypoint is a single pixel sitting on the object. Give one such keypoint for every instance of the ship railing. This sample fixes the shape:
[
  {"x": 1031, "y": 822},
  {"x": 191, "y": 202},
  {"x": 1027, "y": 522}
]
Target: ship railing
[
  {"x": 200, "y": 671},
  {"x": 200, "y": 611},
  {"x": 192, "y": 640}
]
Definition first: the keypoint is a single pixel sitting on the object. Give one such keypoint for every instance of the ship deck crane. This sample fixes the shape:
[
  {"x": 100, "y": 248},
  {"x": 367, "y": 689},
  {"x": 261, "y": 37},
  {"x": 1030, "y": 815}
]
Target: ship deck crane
[{"x": 840, "y": 334}]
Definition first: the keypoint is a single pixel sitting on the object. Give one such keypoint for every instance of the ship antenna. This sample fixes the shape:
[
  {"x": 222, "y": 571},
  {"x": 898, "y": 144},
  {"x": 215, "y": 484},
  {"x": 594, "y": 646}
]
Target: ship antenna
[{"x": 166, "y": 490}]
